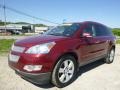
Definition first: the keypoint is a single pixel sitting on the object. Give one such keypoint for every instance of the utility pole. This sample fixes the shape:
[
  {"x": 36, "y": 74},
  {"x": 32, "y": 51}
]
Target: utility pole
[{"x": 4, "y": 16}]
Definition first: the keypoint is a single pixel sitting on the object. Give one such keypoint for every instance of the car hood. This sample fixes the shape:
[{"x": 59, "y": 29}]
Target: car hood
[{"x": 34, "y": 40}]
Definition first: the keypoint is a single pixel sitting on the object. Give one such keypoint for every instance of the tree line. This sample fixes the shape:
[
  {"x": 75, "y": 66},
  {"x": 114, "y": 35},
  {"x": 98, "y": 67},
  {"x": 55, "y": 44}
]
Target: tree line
[
  {"x": 37, "y": 25},
  {"x": 116, "y": 31}
]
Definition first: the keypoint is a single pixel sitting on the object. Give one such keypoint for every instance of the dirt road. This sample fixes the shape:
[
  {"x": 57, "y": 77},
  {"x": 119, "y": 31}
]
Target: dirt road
[{"x": 95, "y": 76}]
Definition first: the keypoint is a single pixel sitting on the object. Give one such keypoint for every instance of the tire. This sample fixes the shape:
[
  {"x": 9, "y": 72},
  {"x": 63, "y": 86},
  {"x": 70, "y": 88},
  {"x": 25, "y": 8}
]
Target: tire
[
  {"x": 64, "y": 71},
  {"x": 110, "y": 56}
]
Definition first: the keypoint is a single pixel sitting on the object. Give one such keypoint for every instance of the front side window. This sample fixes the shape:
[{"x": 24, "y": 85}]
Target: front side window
[{"x": 63, "y": 30}]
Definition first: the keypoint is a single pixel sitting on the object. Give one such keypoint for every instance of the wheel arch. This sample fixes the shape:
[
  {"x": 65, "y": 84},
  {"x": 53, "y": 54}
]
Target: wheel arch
[
  {"x": 113, "y": 46},
  {"x": 68, "y": 53}
]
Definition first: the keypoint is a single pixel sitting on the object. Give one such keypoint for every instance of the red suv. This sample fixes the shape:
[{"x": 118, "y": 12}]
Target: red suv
[{"x": 56, "y": 55}]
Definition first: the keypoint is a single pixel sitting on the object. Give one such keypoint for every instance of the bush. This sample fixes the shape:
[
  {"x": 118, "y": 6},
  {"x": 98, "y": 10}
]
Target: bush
[{"x": 116, "y": 31}]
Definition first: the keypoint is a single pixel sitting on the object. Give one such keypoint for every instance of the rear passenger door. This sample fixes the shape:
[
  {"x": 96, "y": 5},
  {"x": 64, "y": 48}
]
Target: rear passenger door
[
  {"x": 101, "y": 39},
  {"x": 95, "y": 46}
]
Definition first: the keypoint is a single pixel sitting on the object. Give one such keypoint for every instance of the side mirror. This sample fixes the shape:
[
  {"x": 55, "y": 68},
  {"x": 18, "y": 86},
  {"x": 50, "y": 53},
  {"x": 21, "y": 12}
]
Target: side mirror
[{"x": 87, "y": 35}]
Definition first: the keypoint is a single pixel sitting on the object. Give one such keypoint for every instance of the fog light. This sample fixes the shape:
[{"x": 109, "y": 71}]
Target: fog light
[{"x": 32, "y": 67}]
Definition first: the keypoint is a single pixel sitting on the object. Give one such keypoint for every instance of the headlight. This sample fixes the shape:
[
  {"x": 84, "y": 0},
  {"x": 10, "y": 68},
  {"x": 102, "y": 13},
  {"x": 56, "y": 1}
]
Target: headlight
[{"x": 41, "y": 49}]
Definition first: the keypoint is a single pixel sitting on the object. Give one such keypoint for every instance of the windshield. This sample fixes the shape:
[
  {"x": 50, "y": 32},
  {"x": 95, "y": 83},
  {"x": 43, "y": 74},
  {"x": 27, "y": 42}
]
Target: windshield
[{"x": 64, "y": 30}]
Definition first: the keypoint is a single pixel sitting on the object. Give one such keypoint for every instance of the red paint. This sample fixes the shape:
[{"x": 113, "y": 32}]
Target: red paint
[{"x": 85, "y": 48}]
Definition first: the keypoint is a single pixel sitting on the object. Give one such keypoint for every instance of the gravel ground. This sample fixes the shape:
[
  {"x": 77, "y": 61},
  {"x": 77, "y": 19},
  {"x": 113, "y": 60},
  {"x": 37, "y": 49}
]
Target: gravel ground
[{"x": 95, "y": 76}]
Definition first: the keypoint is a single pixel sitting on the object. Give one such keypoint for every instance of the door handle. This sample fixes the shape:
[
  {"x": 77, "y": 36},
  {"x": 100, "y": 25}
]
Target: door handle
[{"x": 97, "y": 42}]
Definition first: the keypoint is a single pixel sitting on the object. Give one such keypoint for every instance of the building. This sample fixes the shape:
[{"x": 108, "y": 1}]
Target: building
[
  {"x": 23, "y": 28},
  {"x": 40, "y": 30}
]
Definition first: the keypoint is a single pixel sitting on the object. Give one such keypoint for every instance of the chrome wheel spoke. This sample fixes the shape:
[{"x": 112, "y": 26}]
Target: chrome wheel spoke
[
  {"x": 67, "y": 78},
  {"x": 70, "y": 71},
  {"x": 111, "y": 57},
  {"x": 62, "y": 77},
  {"x": 65, "y": 64},
  {"x": 70, "y": 65},
  {"x": 61, "y": 70}
]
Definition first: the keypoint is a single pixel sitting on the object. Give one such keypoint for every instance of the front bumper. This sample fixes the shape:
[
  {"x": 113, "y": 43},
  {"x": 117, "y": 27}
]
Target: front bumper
[
  {"x": 39, "y": 78},
  {"x": 31, "y": 59}
]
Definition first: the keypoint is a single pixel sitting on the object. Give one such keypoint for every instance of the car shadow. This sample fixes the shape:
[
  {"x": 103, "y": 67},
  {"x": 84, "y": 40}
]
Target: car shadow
[
  {"x": 88, "y": 67},
  {"x": 45, "y": 86},
  {"x": 81, "y": 70}
]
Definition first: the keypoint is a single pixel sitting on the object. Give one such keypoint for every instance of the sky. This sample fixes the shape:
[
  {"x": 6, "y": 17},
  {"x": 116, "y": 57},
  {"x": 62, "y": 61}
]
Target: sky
[{"x": 103, "y": 11}]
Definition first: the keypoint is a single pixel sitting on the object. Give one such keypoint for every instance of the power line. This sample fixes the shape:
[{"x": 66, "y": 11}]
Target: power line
[{"x": 25, "y": 14}]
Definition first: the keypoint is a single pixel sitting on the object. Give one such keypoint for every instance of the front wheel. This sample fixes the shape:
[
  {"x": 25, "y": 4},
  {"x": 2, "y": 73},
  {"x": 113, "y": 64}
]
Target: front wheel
[
  {"x": 110, "y": 56},
  {"x": 64, "y": 71}
]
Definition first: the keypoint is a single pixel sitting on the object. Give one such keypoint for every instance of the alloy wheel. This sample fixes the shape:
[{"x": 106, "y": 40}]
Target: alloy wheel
[{"x": 66, "y": 71}]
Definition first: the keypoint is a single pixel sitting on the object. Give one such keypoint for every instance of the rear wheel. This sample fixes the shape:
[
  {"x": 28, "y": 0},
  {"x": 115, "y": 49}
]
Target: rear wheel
[
  {"x": 110, "y": 56},
  {"x": 64, "y": 71}
]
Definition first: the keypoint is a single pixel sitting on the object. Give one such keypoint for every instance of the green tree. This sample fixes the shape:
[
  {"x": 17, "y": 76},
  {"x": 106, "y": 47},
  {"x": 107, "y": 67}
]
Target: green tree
[{"x": 116, "y": 31}]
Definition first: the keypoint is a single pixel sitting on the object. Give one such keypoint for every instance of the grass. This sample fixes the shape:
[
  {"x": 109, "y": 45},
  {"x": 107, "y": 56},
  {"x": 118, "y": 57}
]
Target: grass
[
  {"x": 16, "y": 35},
  {"x": 5, "y": 45},
  {"x": 118, "y": 41}
]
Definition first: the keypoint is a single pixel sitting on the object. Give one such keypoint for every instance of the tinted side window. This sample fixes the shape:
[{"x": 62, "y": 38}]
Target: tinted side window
[
  {"x": 98, "y": 30},
  {"x": 105, "y": 31},
  {"x": 109, "y": 31},
  {"x": 102, "y": 31}
]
